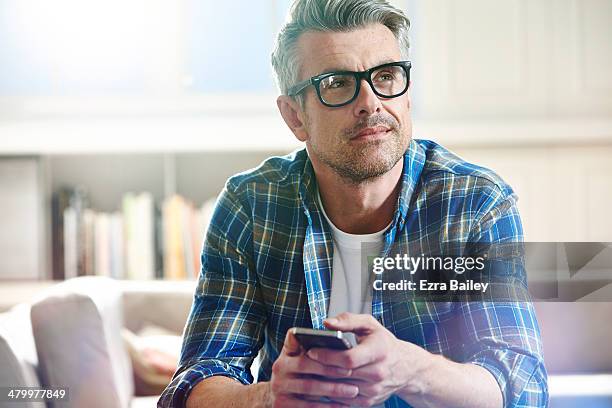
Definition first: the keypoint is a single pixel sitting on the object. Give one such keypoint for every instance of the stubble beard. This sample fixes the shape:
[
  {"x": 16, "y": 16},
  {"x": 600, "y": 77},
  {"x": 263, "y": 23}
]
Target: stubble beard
[{"x": 364, "y": 162}]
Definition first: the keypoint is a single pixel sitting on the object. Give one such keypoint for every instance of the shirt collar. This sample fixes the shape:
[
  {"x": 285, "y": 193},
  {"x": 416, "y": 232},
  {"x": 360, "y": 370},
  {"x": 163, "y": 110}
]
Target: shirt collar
[{"x": 414, "y": 161}]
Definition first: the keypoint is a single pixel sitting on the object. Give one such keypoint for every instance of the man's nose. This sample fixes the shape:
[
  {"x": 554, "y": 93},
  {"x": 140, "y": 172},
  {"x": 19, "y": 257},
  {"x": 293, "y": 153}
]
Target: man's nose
[{"x": 367, "y": 101}]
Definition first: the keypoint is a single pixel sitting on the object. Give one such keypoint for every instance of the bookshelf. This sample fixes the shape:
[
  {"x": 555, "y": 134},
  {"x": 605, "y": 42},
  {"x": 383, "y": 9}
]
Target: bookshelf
[
  {"x": 582, "y": 189},
  {"x": 107, "y": 177}
]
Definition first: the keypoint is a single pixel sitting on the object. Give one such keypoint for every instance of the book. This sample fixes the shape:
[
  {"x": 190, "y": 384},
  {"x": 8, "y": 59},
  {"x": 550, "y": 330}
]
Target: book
[
  {"x": 138, "y": 234},
  {"x": 70, "y": 233},
  {"x": 87, "y": 254},
  {"x": 174, "y": 256},
  {"x": 60, "y": 200},
  {"x": 117, "y": 246},
  {"x": 102, "y": 245},
  {"x": 142, "y": 241}
]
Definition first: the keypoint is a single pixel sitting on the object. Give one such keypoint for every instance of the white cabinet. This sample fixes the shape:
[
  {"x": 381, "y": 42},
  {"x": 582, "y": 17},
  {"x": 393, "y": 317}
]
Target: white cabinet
[
  {"x": 565, "y": 193},
  {"x": 527, "y": 58},
  {"x": 21, "y": 219},
  {"x": 582, "y": 57}
]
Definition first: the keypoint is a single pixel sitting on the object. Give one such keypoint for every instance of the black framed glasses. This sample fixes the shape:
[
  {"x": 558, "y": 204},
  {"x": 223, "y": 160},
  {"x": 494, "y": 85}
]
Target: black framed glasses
[{"x": 340, "y": 88}]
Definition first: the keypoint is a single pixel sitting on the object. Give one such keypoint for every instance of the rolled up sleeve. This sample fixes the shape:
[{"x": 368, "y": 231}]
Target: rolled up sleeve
[
  {"x": 511, "y": 353},
  {"x": 224, "y": 330},
  {"x": 176, "y": 393},
  {"x": 503, "y": 336}
]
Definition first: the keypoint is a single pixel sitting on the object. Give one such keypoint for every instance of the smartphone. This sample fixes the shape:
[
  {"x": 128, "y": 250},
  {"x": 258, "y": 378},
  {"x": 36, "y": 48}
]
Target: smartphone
[{"x": 331, "y": 339}]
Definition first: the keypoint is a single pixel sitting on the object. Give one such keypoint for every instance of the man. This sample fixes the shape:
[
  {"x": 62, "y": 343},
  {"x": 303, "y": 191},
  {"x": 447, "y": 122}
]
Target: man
[{"x": 280, "y": 250}]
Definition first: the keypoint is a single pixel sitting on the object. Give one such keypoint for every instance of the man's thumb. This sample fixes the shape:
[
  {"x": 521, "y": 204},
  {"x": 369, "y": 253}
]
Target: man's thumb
[
  {"x": 343, "y": 321},
  {"x": 291, "y": 346},
  {"x": 357, "y": 323}
]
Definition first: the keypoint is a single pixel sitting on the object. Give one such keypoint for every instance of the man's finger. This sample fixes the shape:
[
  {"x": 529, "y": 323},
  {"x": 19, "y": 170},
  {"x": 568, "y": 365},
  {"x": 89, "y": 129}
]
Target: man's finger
[
  {"x": 291, "y": 346},
  {"x": 351, "y": 359},
  {"x": 314, "y": 387},
  {"x": 305, "y": 365},
  {"x": 358, "y": 323},
  {"x": 370, "y": 373}
]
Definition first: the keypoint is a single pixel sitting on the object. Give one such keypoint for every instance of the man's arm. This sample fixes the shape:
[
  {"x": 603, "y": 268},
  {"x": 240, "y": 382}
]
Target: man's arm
[
  {"x": 224, "y": 331},
  {"x": 502, "y": 363},
  {"x": 503, "y": 335},
  {"x": 445, "y": 383},
  {"x": 219, "y": 391},
  {"x": 293, "y": 384},
  {"x": 381, "y": 366}
]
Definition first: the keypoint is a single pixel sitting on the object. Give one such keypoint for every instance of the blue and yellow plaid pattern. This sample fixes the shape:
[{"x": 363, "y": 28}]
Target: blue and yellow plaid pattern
[{"x": 266, "y": 267}]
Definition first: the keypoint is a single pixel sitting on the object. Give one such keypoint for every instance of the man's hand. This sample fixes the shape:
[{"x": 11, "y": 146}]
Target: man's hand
[
  {"x": 298, "y": 381},
  {"x": 380, "y": 365}
]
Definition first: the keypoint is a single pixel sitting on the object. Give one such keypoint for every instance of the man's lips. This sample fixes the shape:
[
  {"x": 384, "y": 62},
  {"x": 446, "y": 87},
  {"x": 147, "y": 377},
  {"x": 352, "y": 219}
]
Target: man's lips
[{"x": 371, "y": 132}]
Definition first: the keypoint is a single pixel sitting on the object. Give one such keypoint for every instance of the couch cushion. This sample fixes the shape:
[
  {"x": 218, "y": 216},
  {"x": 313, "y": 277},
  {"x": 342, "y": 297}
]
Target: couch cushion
[
  {"x": 18, "y": 359},
  {"x": 77, "y": 330},
  {"x": 154, "y": 353}
]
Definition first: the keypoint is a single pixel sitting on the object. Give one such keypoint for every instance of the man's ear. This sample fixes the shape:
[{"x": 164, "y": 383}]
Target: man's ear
[{"x": 293, "y": 116}]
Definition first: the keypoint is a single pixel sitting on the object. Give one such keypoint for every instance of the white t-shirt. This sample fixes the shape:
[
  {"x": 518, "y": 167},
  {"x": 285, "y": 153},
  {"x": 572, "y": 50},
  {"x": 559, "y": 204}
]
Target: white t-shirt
[{"x": 350, "y": 290}]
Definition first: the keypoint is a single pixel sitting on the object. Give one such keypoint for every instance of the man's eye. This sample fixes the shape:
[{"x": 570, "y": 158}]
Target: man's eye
[
  {"x": 338, "y": 83},
  {"x": 385, "y": 76}
]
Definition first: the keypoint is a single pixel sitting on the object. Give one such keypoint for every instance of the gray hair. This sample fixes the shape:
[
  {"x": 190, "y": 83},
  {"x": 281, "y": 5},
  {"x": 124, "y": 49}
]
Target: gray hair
[{"x": 331, "y": 15}]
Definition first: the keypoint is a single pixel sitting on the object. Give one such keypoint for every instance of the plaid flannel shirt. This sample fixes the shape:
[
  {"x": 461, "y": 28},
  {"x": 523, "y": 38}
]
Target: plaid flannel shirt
[{"x": 266, "y": 267}]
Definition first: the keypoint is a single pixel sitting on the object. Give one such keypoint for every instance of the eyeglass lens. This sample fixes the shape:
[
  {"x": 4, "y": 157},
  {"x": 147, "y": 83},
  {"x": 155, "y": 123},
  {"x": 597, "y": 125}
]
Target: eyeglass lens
[{"x": 338, "y": 89}]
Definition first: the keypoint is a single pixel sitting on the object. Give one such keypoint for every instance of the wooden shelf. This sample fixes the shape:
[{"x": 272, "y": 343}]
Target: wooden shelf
[
  {"x": 266, "y": 132},
  {"x": 62, "y": 136}
]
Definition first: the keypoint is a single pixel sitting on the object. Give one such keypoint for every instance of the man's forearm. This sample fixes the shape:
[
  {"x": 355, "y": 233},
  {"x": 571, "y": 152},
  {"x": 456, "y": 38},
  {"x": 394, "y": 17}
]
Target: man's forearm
[
  {"x": 445, "y": 383},
  {"x": 224, "y": 392}
]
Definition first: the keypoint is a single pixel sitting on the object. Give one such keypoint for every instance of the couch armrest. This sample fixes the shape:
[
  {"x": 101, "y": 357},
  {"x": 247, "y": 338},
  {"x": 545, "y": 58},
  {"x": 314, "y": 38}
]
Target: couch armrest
[
  {"x": 18, "y": 361},
  {"x": 164, "y": 304},
  {"x": 77, "y": 330}
]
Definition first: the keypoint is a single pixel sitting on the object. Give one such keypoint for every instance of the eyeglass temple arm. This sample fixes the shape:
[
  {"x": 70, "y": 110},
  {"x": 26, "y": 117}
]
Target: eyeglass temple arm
[{"x": 299, "y": 87}]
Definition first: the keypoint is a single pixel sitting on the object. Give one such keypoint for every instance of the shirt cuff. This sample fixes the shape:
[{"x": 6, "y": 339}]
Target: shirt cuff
[
  {"x": 176, "y": 393},
  {"x": 512, "y": 371}
]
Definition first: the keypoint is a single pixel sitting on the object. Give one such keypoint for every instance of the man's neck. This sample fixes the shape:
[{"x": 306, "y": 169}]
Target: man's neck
[{"x": 359, "y": 208}]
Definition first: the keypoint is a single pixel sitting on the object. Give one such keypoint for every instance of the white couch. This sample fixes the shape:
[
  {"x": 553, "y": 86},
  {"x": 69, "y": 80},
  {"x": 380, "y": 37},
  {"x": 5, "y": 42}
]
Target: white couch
[{"x": 70, "y": 336}]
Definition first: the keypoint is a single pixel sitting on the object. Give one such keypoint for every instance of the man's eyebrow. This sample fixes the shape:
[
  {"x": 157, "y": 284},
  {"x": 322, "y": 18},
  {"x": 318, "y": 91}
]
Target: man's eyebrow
[
  {"x": 333, "y": 69},
  {"x": 386, "y": 61},
  {"x": 337, "y": 69}
]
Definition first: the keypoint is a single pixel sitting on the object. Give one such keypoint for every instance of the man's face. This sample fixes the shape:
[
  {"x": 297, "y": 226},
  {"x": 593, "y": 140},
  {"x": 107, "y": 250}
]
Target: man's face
[{"x": 366, "y": 138}]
